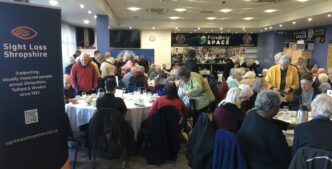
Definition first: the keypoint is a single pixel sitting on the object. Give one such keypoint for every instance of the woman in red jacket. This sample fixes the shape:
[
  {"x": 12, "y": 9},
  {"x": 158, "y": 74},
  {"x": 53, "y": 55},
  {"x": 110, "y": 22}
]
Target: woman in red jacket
[{"x": 170, "y": 98}]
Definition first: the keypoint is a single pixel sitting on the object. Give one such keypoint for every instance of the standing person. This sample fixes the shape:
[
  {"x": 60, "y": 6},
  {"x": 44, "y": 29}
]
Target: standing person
[
  {"x": 232, "y": 63},
  {"x": 108, "y": 69},
  {"x": 84, "y": 76},
  {"x": 145, "y": 63},
  {"x": 283, "y": 78},
  {"x": 191, "y": 63},
  {"x": 119, "y": 63},
  {"x": 261, "y": 138},
  {"x": 195, "y": 87},
  {"x": 109, "y": 100},
  {"x": 127, "y": 63},
  {"x": 317, "y": 132},
  {"x": 68, "y": 68}
]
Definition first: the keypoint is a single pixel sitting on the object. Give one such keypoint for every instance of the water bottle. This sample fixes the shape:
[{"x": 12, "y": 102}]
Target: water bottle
[
  {"x": 100, "y": 92},
  {"x": 302, "y": 114}
]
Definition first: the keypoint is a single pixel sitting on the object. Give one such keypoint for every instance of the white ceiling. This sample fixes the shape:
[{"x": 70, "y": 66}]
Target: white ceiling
[{"x": 197, "y": 12}]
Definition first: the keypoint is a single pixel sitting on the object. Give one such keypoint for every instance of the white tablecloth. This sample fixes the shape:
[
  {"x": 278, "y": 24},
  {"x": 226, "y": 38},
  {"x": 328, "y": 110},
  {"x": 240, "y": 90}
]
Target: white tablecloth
[
  {"x": 80, "y": 114},
  {"x": 289, "y": 117}
]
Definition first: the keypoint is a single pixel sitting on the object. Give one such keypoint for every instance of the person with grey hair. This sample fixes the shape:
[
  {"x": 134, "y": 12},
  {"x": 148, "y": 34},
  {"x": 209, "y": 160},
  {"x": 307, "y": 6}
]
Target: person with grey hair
[
  {"x": 277, "y": 57},
  {"x": 228, "y": 115},
  {"x": 316, "y": 133},
  {"x": 261, "y": 138},
  {"x": 197, "y": 88},
  {"x": 246, "y": 93},
  {"x": 233, "y": 79},
  {"x": 283, "y": 78}
]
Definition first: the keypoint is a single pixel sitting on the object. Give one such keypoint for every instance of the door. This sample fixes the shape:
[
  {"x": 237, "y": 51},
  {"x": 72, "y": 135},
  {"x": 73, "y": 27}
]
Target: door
[{"x": 329, "y": 57}]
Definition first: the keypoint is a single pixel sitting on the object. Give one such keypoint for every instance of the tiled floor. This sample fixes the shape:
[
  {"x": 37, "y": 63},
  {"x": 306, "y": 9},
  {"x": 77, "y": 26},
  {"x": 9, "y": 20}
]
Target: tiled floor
[{"x": 135, "y": 162}]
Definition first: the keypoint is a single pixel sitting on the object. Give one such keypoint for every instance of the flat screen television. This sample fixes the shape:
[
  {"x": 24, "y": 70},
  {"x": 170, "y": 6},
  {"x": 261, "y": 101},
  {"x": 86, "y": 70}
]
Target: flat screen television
[
  {"x": 125, "y": 39},
  {"x": 85, "y": 37}
]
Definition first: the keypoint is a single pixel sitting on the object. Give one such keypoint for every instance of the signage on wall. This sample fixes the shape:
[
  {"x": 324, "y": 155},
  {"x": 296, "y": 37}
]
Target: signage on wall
[
  {"x": 32, "y": 103},
  {"x": 310, "y": 35},
  {"x": 213, "y": 39}
]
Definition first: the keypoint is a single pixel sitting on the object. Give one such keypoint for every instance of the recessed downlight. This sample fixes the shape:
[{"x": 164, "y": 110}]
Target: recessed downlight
[
  {"x": 89, "y": 12},
  {"x": 270, "y": 10},
  {"x": 211, "y": 18},
  {"x": 85, "y": 21},
  {"x": 309, "y": 19},
  {"x": 294, "y": 22},
  {"x": 180, "y": 9},
  {"x": 248, "y": 18},
  {"x": 174, "y": 17},
  {"x": 53, "y": 2},
  {"x": 280, "y": 25},
  {"x": 82, "y": 6},
  {"x": 226, "y": 10},
  {"x": 133, "y": 8}
]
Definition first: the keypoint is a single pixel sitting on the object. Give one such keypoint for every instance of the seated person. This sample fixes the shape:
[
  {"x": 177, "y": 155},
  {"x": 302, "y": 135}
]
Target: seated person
[
  {"x": 233, "y": 79},
  {"x": 261, "y": 138},
  {"x": 317, "y": 132},
  {"x": 305, "y": 94},
  {"x": 109, "y": 100},
  {"x": 138, "y": 80},
  {"x": 128, "y": 75},
  {"x": 246, "y": 93},
  {"x": 228, "y": 115},
  {"x": 170, "y": 98},
  {"x": 69, "y": 91},
  {"x": 160, "y": 79}
]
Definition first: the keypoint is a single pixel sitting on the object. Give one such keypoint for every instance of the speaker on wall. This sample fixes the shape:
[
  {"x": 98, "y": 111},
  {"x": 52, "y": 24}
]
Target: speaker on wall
[{"x": 85, "y": 37}]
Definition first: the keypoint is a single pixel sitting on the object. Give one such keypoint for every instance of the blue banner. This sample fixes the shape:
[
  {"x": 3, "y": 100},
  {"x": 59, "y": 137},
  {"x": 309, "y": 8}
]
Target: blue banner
[
  {"x": 147, "y": 53},
  {"x": 32, "y": 103}
]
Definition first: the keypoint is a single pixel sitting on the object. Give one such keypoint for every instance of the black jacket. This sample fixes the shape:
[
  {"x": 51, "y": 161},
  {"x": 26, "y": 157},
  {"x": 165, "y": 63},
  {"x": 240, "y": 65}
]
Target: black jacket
[
  {"x": 163, "y": 140},
  {"x": 263, "y": 143},
  {"x": 201, "y": 143},
  {"x": 113, "y": 134},
  {"x": 110, "y": 101},
  {"x": 310, "y": 158},
  {"x": 297, "y": 98},
  {"x": 191, "y": 65},
  {"x": 315, "y": 134}
]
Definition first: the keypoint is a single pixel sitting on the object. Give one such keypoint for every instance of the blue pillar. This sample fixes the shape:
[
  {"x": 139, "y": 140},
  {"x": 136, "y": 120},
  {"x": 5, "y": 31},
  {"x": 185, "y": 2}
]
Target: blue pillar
[{"x": 103, "y": 43}]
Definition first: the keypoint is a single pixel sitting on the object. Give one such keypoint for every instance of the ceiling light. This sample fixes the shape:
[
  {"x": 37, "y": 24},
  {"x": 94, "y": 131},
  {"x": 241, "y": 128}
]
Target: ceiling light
[
  {"x": 247, "y": 0},
  {"x": 95, "y": 16},
  {"x": 176, "y": 28},
  {"x": 221, "y": 28},
  {"x": 270, "y": 10},
  {"x": 180, "y": 9},
  {"x": 294, "y": 22},
  {"x": 109, "y": 27},
  {"x": 130, "y": 27},
  {"x": 85, "y": 21},
  {"x": 82, "y": 5},
  {"x": 270, "y": 27},
  {"x": 302, "y": 0},
  {"x": 225, "y": 10},
  {"x": 153, "y": 28},
  {"x": 53, "y": 2},
  {"x": 309, "y": 19},
  {"x": 248, "y": 18},
  {"x": 280, "y": 25},
  {"x": 89, "y": 12},
  {"x": 199, "y": 28},
  {"x": 211, "y": 18},
  {"x": 329, "y": 15},
  {"x": 174, "y": 17},
  {"x": 265, "y": 28},
  {"x": 134, "y": 8}
]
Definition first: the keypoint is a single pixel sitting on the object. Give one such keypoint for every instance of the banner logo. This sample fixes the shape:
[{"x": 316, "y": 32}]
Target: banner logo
[
  {"x": 180, "y": 38},
  {"x": 246, "y": 39},
  {"x": 24, "y": 32}
]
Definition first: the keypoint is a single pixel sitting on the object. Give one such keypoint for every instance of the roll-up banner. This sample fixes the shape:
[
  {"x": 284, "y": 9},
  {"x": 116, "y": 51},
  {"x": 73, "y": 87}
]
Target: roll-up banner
[{"x": 31, "y": 102}]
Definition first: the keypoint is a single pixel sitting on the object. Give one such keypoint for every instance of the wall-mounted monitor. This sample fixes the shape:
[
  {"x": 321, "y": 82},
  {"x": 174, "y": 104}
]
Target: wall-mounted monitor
[
  {"x": 125, "y": 39},
  {"x": 85, "y": 37}
]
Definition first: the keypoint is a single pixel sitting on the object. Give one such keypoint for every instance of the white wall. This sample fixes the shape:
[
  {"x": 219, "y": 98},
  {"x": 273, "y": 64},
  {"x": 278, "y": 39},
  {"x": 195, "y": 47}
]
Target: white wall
[{"x": 161, "y": 45}]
